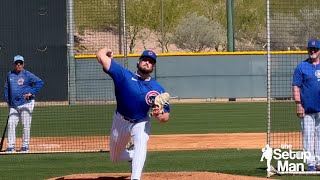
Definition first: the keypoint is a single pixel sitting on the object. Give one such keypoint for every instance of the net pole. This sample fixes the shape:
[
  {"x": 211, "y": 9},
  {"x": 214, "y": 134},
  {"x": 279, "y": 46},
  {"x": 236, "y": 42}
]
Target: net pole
[
  {"x": 71, "y": 59},
  {"x": 268, "y": 75},
  {"x": 125, "y": 41},
  {"x": 120, "y": 25}
]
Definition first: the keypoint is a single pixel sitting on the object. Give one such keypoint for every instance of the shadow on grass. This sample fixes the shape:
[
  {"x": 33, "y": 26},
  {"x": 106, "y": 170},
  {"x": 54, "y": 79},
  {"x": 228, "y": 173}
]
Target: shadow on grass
[{"x": 98, "y": 178}]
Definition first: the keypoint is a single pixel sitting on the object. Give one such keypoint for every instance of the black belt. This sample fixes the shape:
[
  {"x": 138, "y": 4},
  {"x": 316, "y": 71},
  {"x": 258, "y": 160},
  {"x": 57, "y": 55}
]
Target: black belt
[
  {"x": 131, "y": 120},
  {"x": 127, "y": 119}
]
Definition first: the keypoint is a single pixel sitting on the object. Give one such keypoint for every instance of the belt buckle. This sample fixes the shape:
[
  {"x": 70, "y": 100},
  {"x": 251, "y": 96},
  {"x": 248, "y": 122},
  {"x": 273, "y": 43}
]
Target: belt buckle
[{"x": 128, "y": 119}]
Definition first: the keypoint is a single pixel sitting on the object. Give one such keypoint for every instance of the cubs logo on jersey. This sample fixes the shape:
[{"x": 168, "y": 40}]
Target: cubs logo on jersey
[
  {"x": 150, "y": 96},
  {"x": 20, "y": 81},
  {"x": 317, "y": 74}
]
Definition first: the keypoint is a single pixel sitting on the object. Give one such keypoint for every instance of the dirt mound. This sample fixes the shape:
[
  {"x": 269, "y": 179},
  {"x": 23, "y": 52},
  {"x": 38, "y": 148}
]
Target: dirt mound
[
  {"x": 185, "y": 142},
  {"x": 158, "y": 176}
]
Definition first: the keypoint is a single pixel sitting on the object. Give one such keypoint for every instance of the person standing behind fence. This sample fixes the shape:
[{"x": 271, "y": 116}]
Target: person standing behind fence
[
  {"x": 306, "y": 94},
  {"x": 20, "y": 89},
  {"x": 135, "y": 93}
]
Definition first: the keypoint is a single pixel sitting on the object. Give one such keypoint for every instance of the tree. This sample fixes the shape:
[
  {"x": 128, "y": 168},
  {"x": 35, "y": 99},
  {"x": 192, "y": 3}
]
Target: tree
[
  {"x": 215, "y": 10},
  {"x": 145, "y": 15},
  {"x": 96, "y": 16},
  {"x": 197, "y": 33},
  {"x": 294, "y": 28},
  {"x": 173, "y": 12},
  {"x": 250, "y": 23},
  {"x": 140, "y": 14},
  {"x": 304, "y": 28},
  {"x": 249, "y": 20}
]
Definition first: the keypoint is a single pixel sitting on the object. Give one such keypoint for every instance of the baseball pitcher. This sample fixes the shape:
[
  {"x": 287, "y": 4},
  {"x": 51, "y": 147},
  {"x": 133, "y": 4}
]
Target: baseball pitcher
[{"x": 136, "y": 93}]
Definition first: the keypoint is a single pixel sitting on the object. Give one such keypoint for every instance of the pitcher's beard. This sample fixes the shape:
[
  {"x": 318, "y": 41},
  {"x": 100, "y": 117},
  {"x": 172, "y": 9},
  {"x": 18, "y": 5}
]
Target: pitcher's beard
[
  {"x": 144, "y": 71},
  {"x": 311, "y": 59}
]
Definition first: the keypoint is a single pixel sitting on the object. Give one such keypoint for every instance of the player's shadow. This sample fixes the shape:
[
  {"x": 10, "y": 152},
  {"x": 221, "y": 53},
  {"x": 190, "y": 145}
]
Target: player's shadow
[
  {"x": 262, "y": 168},
  {"x": 99, "y": 178}
]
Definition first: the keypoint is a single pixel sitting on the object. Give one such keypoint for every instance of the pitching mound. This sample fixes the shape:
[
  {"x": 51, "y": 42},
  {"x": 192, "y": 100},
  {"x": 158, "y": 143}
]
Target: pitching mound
[
  {"x": 158, "y": 176},
  {"x": 185, "y": 142}
]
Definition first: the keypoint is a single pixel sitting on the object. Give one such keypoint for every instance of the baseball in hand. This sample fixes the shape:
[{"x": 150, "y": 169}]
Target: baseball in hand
[
  {"x": 155, "y": 111},
  {"x": 109, "y": 54}
]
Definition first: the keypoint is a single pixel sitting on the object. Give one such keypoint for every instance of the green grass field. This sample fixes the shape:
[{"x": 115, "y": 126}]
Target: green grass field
[
  {"x": 185, "y": 119},
  {"x": 43, "y": 166},
  {"x": 81, "y": 120},
  {"x": 84, "y": 120}
]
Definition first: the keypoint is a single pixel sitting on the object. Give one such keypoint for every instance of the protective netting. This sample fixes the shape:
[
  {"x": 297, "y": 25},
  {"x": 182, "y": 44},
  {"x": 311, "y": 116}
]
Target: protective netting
[
  {"x": 97, "y": 24},
  {"x": 73, "y": 110},
  {"x": 291, "y": 25},
  {"x": 169, "y": 25}
]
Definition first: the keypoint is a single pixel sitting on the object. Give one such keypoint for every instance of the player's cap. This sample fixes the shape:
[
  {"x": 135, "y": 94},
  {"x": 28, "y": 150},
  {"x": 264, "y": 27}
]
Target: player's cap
[
  {"x": 149, "y": 53},
  {"x": 314, "y": 44},
  {"x": 18, "y": 58}
]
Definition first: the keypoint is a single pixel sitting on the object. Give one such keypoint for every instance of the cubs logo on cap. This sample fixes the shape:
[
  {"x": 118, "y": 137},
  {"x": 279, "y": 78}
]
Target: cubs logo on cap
[
  {"x": 18, "y": 58},
  {"x": 314, "y": 44},
  {"x": 149, "y": 53}
]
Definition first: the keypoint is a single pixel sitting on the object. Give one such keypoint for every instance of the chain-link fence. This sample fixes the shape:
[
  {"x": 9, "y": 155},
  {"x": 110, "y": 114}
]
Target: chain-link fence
[
  {"x": 291, "y": 24},
  {"x": 71, "y": 115},
  {"x": 169, "y": 25}
]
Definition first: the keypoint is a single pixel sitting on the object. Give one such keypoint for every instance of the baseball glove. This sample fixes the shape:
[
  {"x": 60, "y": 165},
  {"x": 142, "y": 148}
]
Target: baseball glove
[{"x": 159, "y": 102}]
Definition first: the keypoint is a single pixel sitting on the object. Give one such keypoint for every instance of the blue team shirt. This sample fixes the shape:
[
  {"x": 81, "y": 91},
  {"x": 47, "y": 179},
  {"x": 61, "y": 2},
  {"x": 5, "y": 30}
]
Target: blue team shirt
[
  {"x": 20, "y": 84},
  {"x": 134, "y": 95},
  {"x": 307, "y": 77}
]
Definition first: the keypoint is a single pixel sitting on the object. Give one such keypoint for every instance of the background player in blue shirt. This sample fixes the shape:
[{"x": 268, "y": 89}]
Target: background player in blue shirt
[
  {"x": 20, "y": 89},
  {"x": 306, "y": 93},
  {"x": 135, "y": 93}
]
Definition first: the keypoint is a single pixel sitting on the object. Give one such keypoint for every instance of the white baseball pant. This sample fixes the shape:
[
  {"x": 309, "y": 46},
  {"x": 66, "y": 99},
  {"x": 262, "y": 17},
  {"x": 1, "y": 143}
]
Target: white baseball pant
[
  {"x": 121, "y": 132},
  {"x": 310, "y": 125},
  {"x": 24, "y": 113}
]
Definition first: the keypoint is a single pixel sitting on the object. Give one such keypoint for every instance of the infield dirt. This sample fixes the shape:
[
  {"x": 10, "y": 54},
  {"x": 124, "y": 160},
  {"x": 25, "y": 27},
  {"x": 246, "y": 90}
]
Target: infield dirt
[{"x": 187, "y": 142}]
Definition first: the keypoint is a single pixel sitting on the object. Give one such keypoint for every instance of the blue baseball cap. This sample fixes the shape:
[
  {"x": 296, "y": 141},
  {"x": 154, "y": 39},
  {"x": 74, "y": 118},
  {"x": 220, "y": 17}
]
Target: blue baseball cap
[
  {"x": 18, "y": 58},
  {"x": 149, "y": 53},
  {"x": 314, "y": 44}
]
